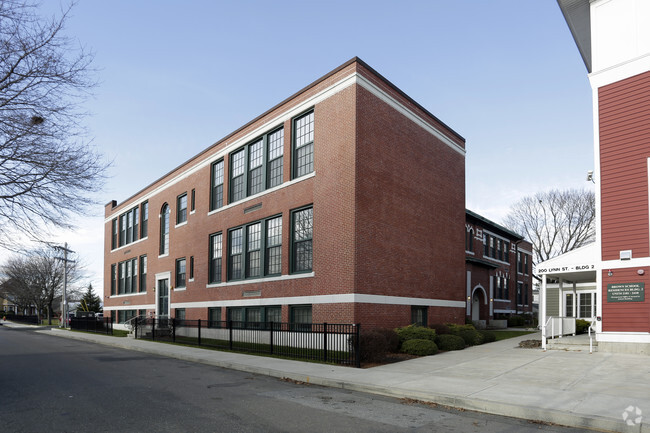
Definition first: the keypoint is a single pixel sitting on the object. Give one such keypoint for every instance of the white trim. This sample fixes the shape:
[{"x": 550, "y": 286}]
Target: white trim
[
  {"x": 623, "y": 337},
  {"x": 131, "y": 244},
  {"x": 260, "y": 280},
  {"x": 342, "y": 84},
  {"x": 124, "y": 295},
  {"x": 619, "y": 72},
  {"x": 179, "y": 289},
  {"x": 624, "y": 264},
  {"x": 368, "y": 85},
  {"x": 184, "y": 223},
  {"x": 503, "y": 311},
  {"x": 350, "y": 298},
  {"x": 130, "y": 307}
]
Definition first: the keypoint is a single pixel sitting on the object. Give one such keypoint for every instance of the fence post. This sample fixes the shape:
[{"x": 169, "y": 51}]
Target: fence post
[
  {"x": 110, "y": 319},
  {"x": 357, "y": 349},
  {"x": 271, "y": 331},
  {"x": 153, "y": 330},
  {"x": 199, "y": 333},
  {"x": 135, "y": 328},
  {"x": 325, "y": 342},
  {"x": 230, "y": 334},
  {"x": 174, "y": 329}
]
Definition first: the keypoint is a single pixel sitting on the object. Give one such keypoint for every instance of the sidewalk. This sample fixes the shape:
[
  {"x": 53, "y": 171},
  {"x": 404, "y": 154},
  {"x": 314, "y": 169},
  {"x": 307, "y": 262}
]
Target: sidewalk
[{"x": 567, "y": 388}]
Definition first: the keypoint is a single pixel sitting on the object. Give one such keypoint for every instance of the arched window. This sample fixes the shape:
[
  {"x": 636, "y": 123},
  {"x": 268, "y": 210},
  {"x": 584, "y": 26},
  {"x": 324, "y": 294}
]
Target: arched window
[{"x": 164, "y": 230}]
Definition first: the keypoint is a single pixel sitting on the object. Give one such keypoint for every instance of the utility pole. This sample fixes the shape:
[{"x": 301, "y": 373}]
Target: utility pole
[{"x": 64, "y": 304}]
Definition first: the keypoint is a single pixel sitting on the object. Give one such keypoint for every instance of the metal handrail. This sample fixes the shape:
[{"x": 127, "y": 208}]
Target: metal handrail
[
  {"x": 591, "y": 343},
  {"x": 128, "y": 324}
]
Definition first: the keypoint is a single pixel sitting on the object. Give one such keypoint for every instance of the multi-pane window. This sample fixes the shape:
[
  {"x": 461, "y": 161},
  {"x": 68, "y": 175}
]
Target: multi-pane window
[
  {"x": 164, "y": 230},
  {"x": 215, "y": 258},
  {"x": 302, "y": 251},
  {"x": 568, "y": 305},
  {"x": 255, "y": 249},
  {"x": 113, "y": 279},
  {"x": 419, "y": 316},
  {"x": 114, "y": 233},
  {"x": 144, "y": 223},
  {"x": 486, "y": 252},
  {"x": 520, "y": 262},
  {"x": 180, "y": 272},
  {"x": 191, "y": 268},
  {"x": 526, "y": 294},
  {"x": 214, "y": 317},
  {"x": 125, "y": 315},
  {"x": 500, "y": 249},
  {"x": 506, "y": 254},
  {"x": 301, "y": 316},
  {"x": 303, "y": 145},
  {"x": 181, "y": 208},
  {"x": 274, "y": 246},
  {"x": 122, "y": 229},
  {"x": 256, "y": 166},
  {"x": 235, "y": 257},
  {"x": 520, "y": 287},
  {"x": 469, "y": 240},
  {"x": 143, "y": 273},
  {"x": 587, "y": 305},
  {"x": 179, "y": 313},
  {"x": 127, "y": 276},
  {"x": 237, "y": 175},
  {"x": 274, "y": 314},
  {"x": 526, "y": 264},
  {"x": 193, "y": 201},
  {"x": 216, "y": 195},
  {"x": 275, "y": 152},
  {"x": 128, "y": 227}
]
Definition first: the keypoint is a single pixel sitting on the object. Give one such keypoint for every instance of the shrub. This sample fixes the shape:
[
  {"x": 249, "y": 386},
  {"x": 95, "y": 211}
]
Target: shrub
[
  {"x": 488, "y": 336},
  {"x": 441, "y": 329},
  {"x": 515, "y": 321},
  {"x": 450, "y": 342},
  {"x": 419, "y": 347},
  {"x": 455, "y": 329},
  {"x": 391, "y": 338},
  {"x": 415, "y": 332},
  {"x": 471, "y": 336},
  {"x": 581, "y": 326},
  {"x": 373, "y": 346}
]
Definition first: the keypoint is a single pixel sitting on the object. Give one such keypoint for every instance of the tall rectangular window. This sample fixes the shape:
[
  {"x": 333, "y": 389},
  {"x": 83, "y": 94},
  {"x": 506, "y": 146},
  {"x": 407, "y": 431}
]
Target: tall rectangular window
[
  {"x": 274, "y": 314},
  {"x": 215, "y": 258},
  {"x": 129, "y": 227},
  {"x": 506, "y": 254},
  {"x": 486, "y": 252},
  {"x": 134, "y": 275},
  {"x": 520, "y": 287},
  {"x": 180, "y": 272},
  {"x": 136, "y": 218},
  {"x": 301, "y": 316},
  {"x": 193, "y": 201},
  {"x": 274, "y": 246},
  {"x": 144, "y": 224},
  {"x": 419, "y": 316},
  {"x": 122, "y": 229},
  {"x": 143, "y": 273},
  {"x": 275, "y": 157},
  {"x": 121, "y": 278},
  {"x": 493, "y": 253},
  {"x": 256, "y": 167},
  {"x": 179, "y": 313},
  {"x": 526, "y": 264},
  {"x": 500, "y": 249},
  {"x": 303, "y": 147},
  {"x": 237, "y": 175},
  {"x": 235, "y": 256},
  {"x": 114, "y": 231},
  {"x": 129, "y": 275},
  {"x": 181, "y": 208},
  {"x": 216, "y": 195},
  {"x": 302, "y": 227},
  {"x": 191, "y": 268},
  {"x": 113, "y": 279},
  {"x": 214, "y": 317},
  {"x": 253, "y": 250}
]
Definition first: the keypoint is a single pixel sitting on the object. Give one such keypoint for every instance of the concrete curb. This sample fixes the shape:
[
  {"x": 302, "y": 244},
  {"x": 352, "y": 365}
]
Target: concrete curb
[{"x": 535, "y": 414}]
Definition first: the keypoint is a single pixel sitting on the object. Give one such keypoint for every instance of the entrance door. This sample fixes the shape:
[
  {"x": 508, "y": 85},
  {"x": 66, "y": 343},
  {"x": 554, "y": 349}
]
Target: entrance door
[
  {"x": 163, "y": 298},
  {"x": 476, "y": 305}
]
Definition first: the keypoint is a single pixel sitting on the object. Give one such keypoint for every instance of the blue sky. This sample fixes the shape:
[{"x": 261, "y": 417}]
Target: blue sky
[{"x": 178, "y": 76}]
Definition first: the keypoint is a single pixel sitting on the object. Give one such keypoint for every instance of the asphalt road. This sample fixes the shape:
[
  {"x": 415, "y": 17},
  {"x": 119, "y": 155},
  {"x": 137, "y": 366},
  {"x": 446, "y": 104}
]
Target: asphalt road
[{"x": 50, "y": 384}]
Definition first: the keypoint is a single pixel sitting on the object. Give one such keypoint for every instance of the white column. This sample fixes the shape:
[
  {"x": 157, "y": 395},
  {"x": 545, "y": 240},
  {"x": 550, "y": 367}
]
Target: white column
[
  {"x": 542, "y": 310},
  {"x": 469, "y": 293}
]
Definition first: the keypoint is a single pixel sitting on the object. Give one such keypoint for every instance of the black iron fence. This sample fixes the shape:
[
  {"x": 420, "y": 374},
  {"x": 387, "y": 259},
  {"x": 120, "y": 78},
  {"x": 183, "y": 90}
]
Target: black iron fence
[
  {"x": 92, "y": 324},
  {"x": 324, "y": 342},
  {"x": 33, "y": 320}
]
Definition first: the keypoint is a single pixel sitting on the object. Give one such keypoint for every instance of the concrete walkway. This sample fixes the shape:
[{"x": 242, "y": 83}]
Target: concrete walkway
[{"x": 575, "y": 389}]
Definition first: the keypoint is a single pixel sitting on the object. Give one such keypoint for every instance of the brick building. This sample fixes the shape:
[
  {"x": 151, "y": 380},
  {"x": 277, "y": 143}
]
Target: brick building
[
  {"x": 344, "y": 204},
  {"x": 499, "y": 271},
  {"x": 613, "y": 38}
]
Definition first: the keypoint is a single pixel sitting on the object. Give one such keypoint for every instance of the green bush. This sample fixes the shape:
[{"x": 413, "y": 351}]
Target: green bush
[
  {"x": 441, "y": 328},
  {"x": 516, "y": 321},
  {"x": 450, "y": 342},
  {"x": 488, "y": 336},
  {"x": 471, "y": 336},
  {"x": 373, "y": 346},
  {"x": 581, "y": 326},
  {"x": 391, "y": 337},
  {"x": 415, "y": 332},
  {"x": 419, "y": 347},
  {"x": 455, "y": 329}
]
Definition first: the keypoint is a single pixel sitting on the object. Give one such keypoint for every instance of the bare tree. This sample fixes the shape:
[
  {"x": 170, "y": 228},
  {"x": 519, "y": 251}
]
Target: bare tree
[
  {"x": 48, "y": 170},
  {"x": 555, "y": 222},
  {"x": 37, "y": 279}
]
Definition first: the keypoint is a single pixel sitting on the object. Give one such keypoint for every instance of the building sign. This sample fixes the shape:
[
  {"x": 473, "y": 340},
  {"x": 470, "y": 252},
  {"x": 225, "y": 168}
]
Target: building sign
[
  {"x": 627, "y": 292},
  {"x": 573, "y": 268}
]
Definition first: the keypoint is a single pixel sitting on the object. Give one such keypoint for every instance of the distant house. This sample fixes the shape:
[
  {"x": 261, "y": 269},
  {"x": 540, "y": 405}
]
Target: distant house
[{"x": 499, "y": 270}]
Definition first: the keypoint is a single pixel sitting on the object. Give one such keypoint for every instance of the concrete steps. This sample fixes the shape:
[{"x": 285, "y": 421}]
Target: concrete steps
[{"x": 577, "y": 343}]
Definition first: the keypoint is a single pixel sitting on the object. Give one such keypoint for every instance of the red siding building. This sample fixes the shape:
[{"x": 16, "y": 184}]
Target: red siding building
[{"x": 344, "y": 204}]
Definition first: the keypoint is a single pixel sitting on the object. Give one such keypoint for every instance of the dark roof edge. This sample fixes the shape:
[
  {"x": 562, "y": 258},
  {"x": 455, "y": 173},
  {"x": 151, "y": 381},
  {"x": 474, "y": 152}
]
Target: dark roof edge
[
  {"x": 284, "y": 101},
  {"x": 498, "y": 226}
]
